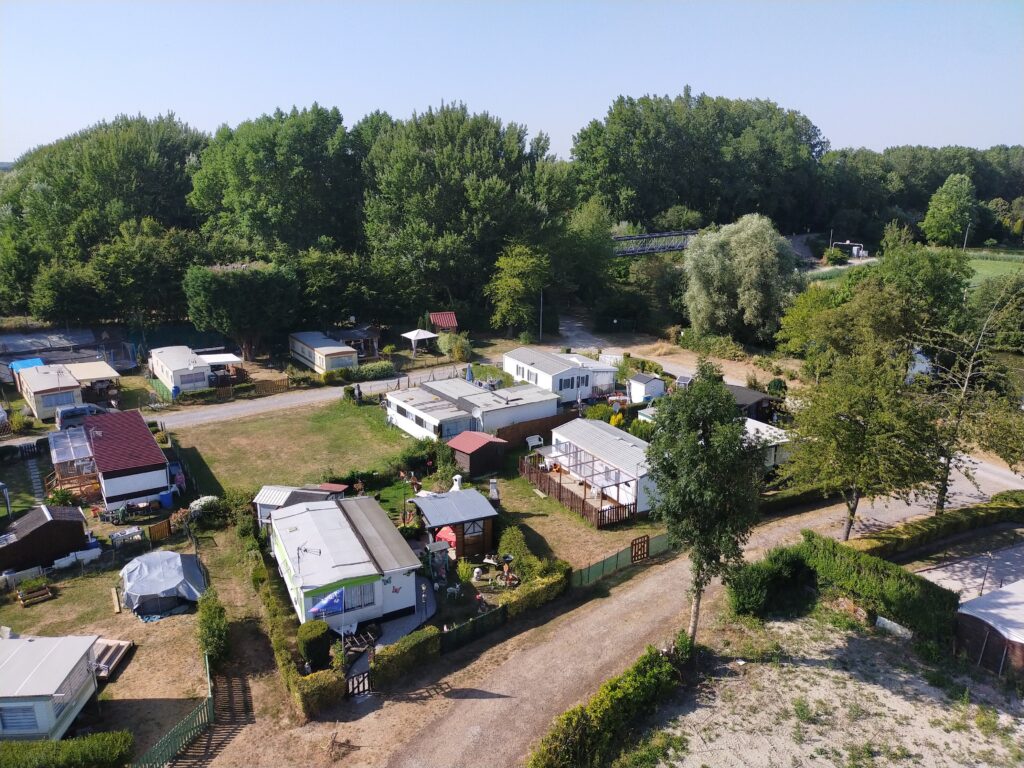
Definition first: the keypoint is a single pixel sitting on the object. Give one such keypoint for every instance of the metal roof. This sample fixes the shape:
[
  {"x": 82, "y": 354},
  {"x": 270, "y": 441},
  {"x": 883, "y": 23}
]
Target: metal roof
[
  {"x": 643, "y": 378},
  {"x": 470, "y": 441},
  {"x": 38, "y": 341},
  {"x": 273, "y": 495},
  {"x": 121, "y": 440},
  {"x": 541, "y": 359},
  {"x": 745, "y": 396},
  {"x": 509, "y": 397},
  {"x": 441, "y": 509},
  {"x": 179, "y": 358},
  {"x": 322, "y": 343},
  {"x": 1002, "y": 609},
  {"x": 426, "y": 402},
  {"x": 605, "y": 442},
  {"x": 69, "y": 445},
  {"x": 445, "y": 320},
  {"x": 95, "y": 370},
  {"x": 47, "y": 378},
  {"x": 223, "y": 358},
  {"x": 765, "y": 433},
  {"x": 330, "y": 541},
  {"x": 36, "y": 666}
]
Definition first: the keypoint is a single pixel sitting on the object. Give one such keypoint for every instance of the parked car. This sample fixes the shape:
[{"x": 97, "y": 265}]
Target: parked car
[{"x": 74, "y": 415}]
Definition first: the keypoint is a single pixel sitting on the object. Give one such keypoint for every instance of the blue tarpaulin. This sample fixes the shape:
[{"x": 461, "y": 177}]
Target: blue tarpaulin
[
  {"x": 19, "y": 365},
  {"x": 330, "y": 604}
]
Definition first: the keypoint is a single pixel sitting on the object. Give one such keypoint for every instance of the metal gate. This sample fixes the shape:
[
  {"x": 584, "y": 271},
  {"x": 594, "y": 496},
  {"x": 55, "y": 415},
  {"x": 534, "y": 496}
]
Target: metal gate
[
  {"x": 641, "y": 548},
  {"x": 358, "y": 684}
]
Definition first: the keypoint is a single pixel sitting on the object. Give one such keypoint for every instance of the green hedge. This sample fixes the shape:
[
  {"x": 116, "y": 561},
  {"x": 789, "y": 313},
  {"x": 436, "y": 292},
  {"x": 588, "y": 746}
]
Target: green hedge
[
  {"x": 100, "y": 750},
  {"x": 879, "y": 586},
  {"x": 590, "y": 735},
  {"x": 1004, "y": 507},
  {"x": 320, "y": 690},
  {"x": 525, "y": 564},
  {"x": 536, "y": 593},
  {"x": 393, "y": 662},
  {"x": 314, "y": 643},
  {"x": 207, "y": 395},
  {"x": 245, "y": 389},
  {"x": 212, "y": 627}
]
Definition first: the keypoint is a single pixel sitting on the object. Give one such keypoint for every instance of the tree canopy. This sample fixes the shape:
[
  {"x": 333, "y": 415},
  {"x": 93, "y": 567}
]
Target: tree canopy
[{"x": 951, "y": 210}]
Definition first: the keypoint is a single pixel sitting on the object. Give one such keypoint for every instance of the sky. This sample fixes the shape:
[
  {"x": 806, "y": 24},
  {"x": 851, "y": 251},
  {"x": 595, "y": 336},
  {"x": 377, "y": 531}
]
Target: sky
[{"x": 871, "y": 74}]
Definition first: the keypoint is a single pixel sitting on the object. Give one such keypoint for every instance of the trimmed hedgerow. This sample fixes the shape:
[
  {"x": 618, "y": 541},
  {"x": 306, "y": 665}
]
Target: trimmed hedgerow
[
  {"x": 525, "y": 564},
  {"x": 393, "y": 662},
  {"x": 111, "y": 749},
  {"x": 212, "y": 627},
  {"x": 1007, "y": 506},
  {"x": 591, "y": 734},
  {"x": 314, "y": 642},
  {"x": 771, "y": 585},
  {"x": 535, "y": 593}
]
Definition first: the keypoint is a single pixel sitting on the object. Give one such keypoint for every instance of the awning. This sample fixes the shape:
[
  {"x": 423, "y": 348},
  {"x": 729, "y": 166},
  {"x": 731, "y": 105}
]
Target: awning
[
  {"x": 419, "y": 335},
  {"x": 221, "y": 359},
  {"x": 94, "y": 370}
]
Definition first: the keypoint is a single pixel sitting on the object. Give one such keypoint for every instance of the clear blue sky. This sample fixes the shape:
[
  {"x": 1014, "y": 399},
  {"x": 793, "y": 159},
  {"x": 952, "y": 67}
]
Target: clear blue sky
[{"x": 869, "y": 74}]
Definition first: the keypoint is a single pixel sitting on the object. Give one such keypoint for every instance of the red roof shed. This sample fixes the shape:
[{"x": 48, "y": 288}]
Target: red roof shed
[
  {"x": 478, "y": 453},
  {"x": 444, "y": 321}
]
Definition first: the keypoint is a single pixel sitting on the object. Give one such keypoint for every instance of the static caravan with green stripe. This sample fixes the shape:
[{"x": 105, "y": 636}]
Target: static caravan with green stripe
[{"x": 344, "y": 562}]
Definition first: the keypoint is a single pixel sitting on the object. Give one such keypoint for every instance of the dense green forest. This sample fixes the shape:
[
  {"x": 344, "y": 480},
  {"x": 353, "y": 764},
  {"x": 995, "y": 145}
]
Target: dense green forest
[{"x": 448, "y": 209}]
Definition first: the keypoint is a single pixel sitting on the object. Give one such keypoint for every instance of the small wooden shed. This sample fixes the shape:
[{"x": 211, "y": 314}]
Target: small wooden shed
[
  {"x": 478, "y": 453},
  {"x": 43, "y": 535},
  {"x": 469, "y": 516}
]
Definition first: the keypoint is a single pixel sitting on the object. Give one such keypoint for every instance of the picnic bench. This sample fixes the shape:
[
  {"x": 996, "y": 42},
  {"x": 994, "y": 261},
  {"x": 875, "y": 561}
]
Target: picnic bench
[
  {"x": 118, "y": 538},
  {"x": 32, "y": 596}
]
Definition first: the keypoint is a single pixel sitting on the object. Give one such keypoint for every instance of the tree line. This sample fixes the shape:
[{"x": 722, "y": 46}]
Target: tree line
[{"x": 387, "y": 218}]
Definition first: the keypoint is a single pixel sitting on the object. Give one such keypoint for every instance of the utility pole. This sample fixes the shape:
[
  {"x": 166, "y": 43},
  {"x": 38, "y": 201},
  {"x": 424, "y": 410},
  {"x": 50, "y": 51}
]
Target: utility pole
[
  {"x": 965, "y": 236},
  {"x": 540, "y": 328}
]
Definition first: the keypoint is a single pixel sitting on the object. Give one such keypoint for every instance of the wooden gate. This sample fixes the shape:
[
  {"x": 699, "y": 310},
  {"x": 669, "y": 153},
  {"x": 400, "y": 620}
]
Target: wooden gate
[
  {"x": 358, "y": 684},
  {"x": 641, "y": 548}
]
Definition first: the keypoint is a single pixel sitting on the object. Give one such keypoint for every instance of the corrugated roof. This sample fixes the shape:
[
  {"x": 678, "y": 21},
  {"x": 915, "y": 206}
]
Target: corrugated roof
[
  {"x": 36, "y": 666},
  {"x": 48, "y": 378},
  {"x": 766, "y": 433},
  {"x": 542, "y": 360},
  {"x": 643, "y": 378},
  {"x": 1002, "y": 609},
  {"x": 444, "y": 320},
  {"x": 470, "y": 441},
  {"x": 273, "y": 495},
  {"x": 121, "y": 440},
  {"x": 605, "y": 442},
  {"x": 454, "y": 507},
  {"x": 93, "y": 370}
]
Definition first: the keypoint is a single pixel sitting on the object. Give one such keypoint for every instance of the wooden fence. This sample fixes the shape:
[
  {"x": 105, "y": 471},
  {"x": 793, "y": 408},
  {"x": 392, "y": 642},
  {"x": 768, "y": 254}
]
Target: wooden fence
[
  {"x": 600, "y": 516},
  {"x": 270, "y": 386},
  {"x": 176, "y": 740},
  {"x": 517, "y": 433}
]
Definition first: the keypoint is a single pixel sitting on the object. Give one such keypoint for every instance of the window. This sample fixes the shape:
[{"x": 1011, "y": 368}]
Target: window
[
  {"x": 473, "y": 528},
  {"x": 564, "y": 384},
  {"x": 60, "y": 398},
  {"x": 69, "y": 689},
  {"x": 520, "y": 372},
  {"x": 583, "y": 381},
  {"x": 420, "y": 422},
  {"x": 359, "y": 596},
  {"x": 401, "y": 411},
  {"x": 531, "y": 376},
  {"x": 193, "y": 378},
  {"x": 21, "y": 719}
]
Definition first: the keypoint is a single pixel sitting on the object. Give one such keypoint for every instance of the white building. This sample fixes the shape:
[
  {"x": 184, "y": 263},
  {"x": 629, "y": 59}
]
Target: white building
[
  {"x": 775, "y": 441},
  {"x": 44, "y": 683},
  {"x": 610, "y": 460},
  {"x": 344, "y": 561},
  {"x": 272, "y": 497},
  {"x": 179, "y": 369},
  {"x": 443, "y": 409},
  {"x": 569, "y": 376},
  {"x": 320, "y": 352},
  {"x": 48, "y": 387},
  {"x": 642, "y": 387}
]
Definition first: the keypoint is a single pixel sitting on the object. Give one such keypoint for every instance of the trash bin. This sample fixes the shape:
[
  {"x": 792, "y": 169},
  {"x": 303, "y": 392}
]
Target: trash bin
[{"x": 166, "y": 499}]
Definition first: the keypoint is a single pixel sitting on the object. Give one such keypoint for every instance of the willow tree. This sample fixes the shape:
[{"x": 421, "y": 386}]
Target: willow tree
[{"x": 707, "y": 477}]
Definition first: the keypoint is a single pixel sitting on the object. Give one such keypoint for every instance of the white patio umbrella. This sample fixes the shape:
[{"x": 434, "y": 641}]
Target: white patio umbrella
[{"x": 418, "y": 335}]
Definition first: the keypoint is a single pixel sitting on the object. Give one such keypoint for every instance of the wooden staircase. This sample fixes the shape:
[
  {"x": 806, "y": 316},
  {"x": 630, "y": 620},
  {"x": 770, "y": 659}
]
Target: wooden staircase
[{"x": 109, "y": 654}]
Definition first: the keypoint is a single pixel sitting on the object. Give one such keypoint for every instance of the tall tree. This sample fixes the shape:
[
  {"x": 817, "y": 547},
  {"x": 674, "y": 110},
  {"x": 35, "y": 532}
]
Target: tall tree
[
  {"x": 519, "y": 276},
  {"x": 248, "y": 303},
  {"x": 861, "y": 432},
  {"x": 977, "y": 404},
  {"x": 287, "y": 178},
  {"x": 707, "y": 478},
  {"x": 739, "y": 279},
  {"x": 952, "y": 209},
  {"x": 333, "y": 287}
]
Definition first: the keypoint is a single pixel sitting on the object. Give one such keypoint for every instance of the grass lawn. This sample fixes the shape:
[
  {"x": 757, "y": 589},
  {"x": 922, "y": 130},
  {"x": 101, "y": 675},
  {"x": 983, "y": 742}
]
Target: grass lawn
[
  {"x": 19, "y": 486},
  {"x": 291, "y": 447},
  {"x": 134, "y": 392},
  {"x": 984, "y": 269}
]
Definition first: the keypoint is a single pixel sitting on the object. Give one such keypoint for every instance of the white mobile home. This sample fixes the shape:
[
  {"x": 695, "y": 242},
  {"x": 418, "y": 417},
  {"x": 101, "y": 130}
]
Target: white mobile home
[
  {"x": 344, "y": 561},
  {"x": 179, "y": 369},
  {"x": 642, "y": 387},
  {"x": 775, "y": 441},
  {"x": 321, "y": 352},
  {"x": 44, "y": 683},
  {"x": 569, "y": 376},
  {"x": 48, "y": 387},
  {"x": 443, "y": 409},
  {"x": 609, "y": 460}
]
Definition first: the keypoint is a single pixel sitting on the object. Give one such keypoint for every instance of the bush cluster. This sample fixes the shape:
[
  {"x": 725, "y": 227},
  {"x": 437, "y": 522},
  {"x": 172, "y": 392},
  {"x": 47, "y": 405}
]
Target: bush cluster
[
  {"x": 456, "y": 346},
  {"x": 525, "y": 564},
  {"x": 590, "y": 735},
  {"x": 245, "y": 389},
  {"x": 721, "y": 347},
  {"x": 393, "y": 662},
  {"x": 212, "y": 627},
  {"x": 314, "y": 643},
  {"x": 1007, "y": 506},
  {"x": 112, "y": 749},
  {"x": 18, "y": 422},
  {"x": 206, "y": 395},
  {"x": 382, "y": 369},
  {"x": 535, "y": 593},
  {"x": 880, "y": 587},
  {"x": 320, "y": 689}
]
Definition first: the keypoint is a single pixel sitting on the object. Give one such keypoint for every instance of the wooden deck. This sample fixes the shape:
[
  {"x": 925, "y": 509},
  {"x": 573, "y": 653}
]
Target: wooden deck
[
  {"x": 109, "y": 654},
  {"x": 569, "y": 494}
]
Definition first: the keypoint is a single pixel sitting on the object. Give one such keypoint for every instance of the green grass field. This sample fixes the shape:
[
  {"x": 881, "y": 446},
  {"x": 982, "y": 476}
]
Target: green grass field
[
  {"x": 984, "y": 269},
  {"x": 19, "y": 486},
  {"x": 289, "y": 448}
]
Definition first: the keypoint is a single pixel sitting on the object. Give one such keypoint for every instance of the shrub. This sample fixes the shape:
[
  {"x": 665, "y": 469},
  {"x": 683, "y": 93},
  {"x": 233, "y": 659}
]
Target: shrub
[
  {"x": 617, "y": 419},
  {"x": 777, "y": 388},
  {"x": 642, "y": 428},
  {"x": 589, "y": 735},
  {"x": 834, "y": 257},
  {"x": 206, "y": 395},
  {"x": 335, "y": 377},
  {"x": 19, "y": 423},
  {"x": 246, "y": 527},
  {"x": 714, "y": 346},
  {"x": 527, "y": 337},
  {"x": 350, "y": 392},
  {"x": 314, "y": 643},
  {"x": 212, "y": 627},
  {"x": 319, "y": 690},
  {"x": 112, "y": 749},
  {"x": 683, "y": 648},
  {"x": 524, "y": 563},
  {"x": 300, "y": 377},
  {"x": 372, "y": 371},
  {"x": 770, "y": 585},
  {"x": 535, "y": 593},
  {"x": 31, "y": 585},
  {"x": 61, "y": 497},
  {"x": 600, "y": 412},
  {"x": 456, "y": 346},
  {"x": 464, "y": 570},
  {"x": 393, "y": 662},
  {"x": 258, "y": 574}
]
